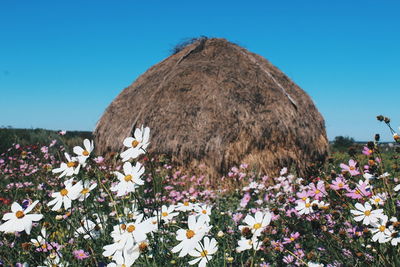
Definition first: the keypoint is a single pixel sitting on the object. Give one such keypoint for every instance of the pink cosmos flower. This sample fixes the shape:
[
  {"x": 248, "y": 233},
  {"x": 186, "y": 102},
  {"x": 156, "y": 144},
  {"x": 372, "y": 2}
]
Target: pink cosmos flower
[
  {"x": 237, "y": 217},
  {"x": 246, "y": 198},
  {"x": 363, "y": 190},
  {"x": 303, "y": 195},
  {"x": 351, "y": 168},
  {"x": 288, "y": 259},
  {"x": 292, "y": 238},
  {"x": 317, "y": 191},
  {"x": 367, "y": 151},
  {"x": 98, "y": 159},
  {"x": 80, "y": 254},
  {"x": 244, "y": 166},
  {"x": 339, "y": 183}
]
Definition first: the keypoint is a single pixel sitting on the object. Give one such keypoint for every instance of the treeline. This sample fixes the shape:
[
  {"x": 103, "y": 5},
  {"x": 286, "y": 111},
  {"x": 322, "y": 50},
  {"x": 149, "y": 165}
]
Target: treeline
[{"x": 39, "y": 137}]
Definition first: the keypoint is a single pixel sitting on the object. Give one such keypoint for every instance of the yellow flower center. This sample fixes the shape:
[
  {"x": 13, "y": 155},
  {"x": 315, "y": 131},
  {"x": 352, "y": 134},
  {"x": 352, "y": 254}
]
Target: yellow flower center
[
  {"x": 352, "y": 168},
  {"x": 189, "y": 234},
  {"x": 64, "y": 192},
  {"x": 257, "y": 226},
  {"x": 19, "y": 214},
  {"x": 72, "y": 164},
  {"x": 377, "y": 200},
  {"x": 292, "y": 239},
  {"x": 131, "y": 228},
  {"x": 204, "y": 211},
  {"x": 358, "y": 192},
  {"x": 123, "y": 226},
  {"x": 85, "y": 191},
  {"x": 85, "y": 153},
  {"x": 340, "y": 184},
  {"x": 317, "y": 191},
  {"x": 308, "y": 205},
  {"x": 304, "y": 198},
  {"x": 143, "y": 246},
  {"x": 128, "y": 178},
  {"x": 186, "y": 203},
  {"x": 204, "y": 253},
  {"x": 164, "y": 214},
  {"x": 382, "y": 228},
  {"x": 135, "y": 143},
  {"x": 367, "y": 212}
]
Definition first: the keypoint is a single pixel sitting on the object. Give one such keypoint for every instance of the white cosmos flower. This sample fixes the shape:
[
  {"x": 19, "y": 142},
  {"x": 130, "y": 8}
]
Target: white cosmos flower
[
  {"x": 397, "y": 188},
  {"x": 137, "y": 231},
  {"x": 125, "y": 249},
  {"x": 116, "y": 249},
  {"x": 366, "y": 214},
  {"x": 257, "y": 223},
  {"x": 380, "y": 232},
  {"x": 312, "y": 264},
  {"x": 136, "y": 145},
  {"x": 90, "y": 229},
  {"x": 40, "y": 239},
  {"x": 203, "y": 252},
  {"x": 167, "y": 213},
  {"x": 129, "y": 181},
  {"x": 185, "y": 206},
  {"x": 84, "y": 153},
  {"x": 127, "y": 257},
  {"x": 395, "y": 234},
  {"x": 245, "y": 244},
  {"x": 153, "y": 223},
  {"x": 70, "y": 168},
  {"x": 306, "y": 207},
  {"x": 86, "y": 188},
  {"x": 19, "y": 220},
  {"x": 203, "y": 211},
  {"x": 54, "y": 260},
  {"x": 132, "y": 213},
  {"x": 368, "y": 176},
  {"x": 191, "y": 236},
  {"x": 378, "y": 199},
  {"x": 66, "y": 195}
]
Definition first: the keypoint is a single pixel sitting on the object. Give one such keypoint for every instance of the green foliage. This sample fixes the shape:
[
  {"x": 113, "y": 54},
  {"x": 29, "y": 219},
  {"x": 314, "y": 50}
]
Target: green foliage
[{"x": 342, "y": 143}]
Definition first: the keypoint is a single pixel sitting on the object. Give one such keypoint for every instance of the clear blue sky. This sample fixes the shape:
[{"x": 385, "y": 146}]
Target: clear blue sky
[{"x": 63, "y": 62}]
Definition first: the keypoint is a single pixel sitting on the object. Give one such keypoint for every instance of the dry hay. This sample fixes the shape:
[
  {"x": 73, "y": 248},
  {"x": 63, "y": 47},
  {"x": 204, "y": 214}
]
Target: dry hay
[{"x": 217, "y": 104}]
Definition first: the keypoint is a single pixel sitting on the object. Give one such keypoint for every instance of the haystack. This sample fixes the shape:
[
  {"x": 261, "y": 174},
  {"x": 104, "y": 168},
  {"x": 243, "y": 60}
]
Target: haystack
[{"x": 217, "y": 104}]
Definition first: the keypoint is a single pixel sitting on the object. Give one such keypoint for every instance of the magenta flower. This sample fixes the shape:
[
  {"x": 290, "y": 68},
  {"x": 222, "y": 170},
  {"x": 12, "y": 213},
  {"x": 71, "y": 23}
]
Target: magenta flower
[
  {"x": 317, "y": 191},
  {"x": 339, "y": 183},
  {"x": 351, "y": 168},
  {"x": 80, "y": 254}
]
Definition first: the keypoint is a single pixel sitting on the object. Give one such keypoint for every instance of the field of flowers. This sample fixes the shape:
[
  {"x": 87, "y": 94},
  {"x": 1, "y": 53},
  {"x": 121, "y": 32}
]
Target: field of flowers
[{"x": 63, "y": 206}]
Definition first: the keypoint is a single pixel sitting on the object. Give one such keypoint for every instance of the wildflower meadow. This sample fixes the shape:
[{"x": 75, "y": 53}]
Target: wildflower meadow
[{"x": 65, "y": 206}]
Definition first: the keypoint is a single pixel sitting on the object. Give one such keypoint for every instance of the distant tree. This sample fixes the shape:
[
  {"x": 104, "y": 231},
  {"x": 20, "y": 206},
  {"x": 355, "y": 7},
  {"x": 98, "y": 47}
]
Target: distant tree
[{"x": 342, "y": 143}]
